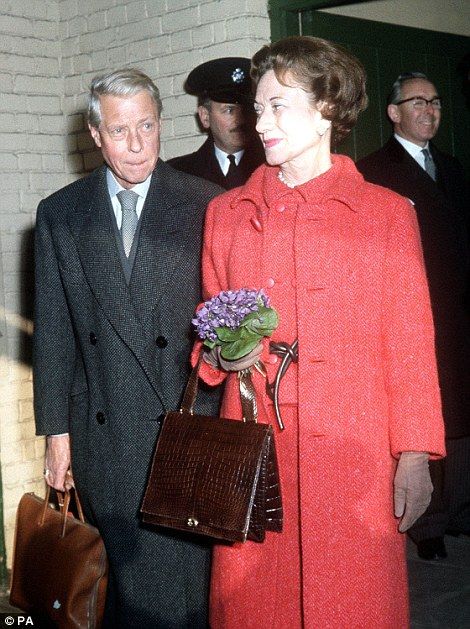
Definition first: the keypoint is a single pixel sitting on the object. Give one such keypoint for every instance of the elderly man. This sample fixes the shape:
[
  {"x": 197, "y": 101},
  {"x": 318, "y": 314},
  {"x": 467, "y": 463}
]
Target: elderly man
[
  {"x": 413, "y": 166},
  {"x": 232, "y": 151},
  {"x": 111, "y": 344}
]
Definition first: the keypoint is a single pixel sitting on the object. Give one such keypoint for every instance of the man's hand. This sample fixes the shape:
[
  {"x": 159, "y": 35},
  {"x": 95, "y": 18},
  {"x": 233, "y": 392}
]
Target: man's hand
[
  {"x": 57, "y": 467},
  {"x": 413, "y": 488}
]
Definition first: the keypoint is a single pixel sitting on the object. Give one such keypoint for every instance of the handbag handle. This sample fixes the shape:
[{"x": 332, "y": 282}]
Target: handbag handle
[
  {"x": 64, "y": 506},
  {"x": 247, "y": 393}
]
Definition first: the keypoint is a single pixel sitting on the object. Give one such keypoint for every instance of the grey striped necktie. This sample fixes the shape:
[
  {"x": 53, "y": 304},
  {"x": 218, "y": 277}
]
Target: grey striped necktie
[
  {"x": 429, "y": 165},
  {"x": 128, "y": 200}
]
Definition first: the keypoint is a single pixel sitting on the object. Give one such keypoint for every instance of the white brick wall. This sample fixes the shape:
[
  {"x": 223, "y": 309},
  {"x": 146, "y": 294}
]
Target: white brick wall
[
  {"x": 166, "y": 39},
  {"x": 32, "y": 152}
]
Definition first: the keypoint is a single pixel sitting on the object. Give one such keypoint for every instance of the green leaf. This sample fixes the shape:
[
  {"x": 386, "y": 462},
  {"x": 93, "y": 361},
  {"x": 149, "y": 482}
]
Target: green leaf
[
  {"x": 263, "y": 322},
  {"x": 240, "y": 348},
  {"x": 210, "y": 344},
  {"x": 227, "y": 335}
]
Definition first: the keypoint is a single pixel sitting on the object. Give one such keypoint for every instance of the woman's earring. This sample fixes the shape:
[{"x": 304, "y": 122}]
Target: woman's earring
[{"x": 321, "y": 132}]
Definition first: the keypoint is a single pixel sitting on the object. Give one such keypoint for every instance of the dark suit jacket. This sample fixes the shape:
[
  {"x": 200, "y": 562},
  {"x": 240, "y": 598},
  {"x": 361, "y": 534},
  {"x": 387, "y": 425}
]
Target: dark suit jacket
[
  {"x": 109, "y": 360},
  {"x": 442, "y": 211},
  {"x": 203, "y": 163}
]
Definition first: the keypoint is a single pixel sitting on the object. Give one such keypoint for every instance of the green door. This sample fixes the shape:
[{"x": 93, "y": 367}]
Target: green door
[{"x": 387, "y": 50}]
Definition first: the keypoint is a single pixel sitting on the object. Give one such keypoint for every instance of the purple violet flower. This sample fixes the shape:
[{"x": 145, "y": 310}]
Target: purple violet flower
[{"x": 227, "y": 309}]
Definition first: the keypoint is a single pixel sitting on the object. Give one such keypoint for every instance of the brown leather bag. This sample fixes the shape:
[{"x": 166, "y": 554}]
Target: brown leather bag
[
  {"x": 60, "y": 569},
  {"x": 215, "y": 476}
]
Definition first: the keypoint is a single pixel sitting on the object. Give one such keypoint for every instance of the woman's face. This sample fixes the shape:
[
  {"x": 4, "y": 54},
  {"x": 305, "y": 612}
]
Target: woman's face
[{"x": 288, "y": 123}]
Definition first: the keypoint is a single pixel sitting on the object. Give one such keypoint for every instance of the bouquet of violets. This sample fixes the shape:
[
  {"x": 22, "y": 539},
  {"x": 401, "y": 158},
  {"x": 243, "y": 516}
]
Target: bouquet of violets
[{"x": 236, "y": 320}]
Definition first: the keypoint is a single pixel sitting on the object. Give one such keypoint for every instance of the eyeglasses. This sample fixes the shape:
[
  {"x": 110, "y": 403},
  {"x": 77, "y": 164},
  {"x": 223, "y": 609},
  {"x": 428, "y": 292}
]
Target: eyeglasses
[{"x": 421, "y": 103}]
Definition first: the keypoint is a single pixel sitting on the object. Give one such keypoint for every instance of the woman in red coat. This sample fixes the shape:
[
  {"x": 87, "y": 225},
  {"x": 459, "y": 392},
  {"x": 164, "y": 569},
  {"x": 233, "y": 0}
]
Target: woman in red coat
[{"x": 341, "y": 262}]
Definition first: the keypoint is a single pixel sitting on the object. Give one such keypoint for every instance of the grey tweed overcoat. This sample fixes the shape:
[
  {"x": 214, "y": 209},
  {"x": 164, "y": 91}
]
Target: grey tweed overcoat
[{"x": 109, "y": 360}]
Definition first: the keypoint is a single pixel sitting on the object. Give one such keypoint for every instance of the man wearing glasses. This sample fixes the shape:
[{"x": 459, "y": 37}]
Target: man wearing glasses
[{"x": 410, "y": 164}]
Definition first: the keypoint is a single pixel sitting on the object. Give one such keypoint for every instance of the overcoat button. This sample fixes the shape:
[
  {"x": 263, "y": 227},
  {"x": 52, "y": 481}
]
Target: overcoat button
[
  {"x": 100, "y": 418},
  {"x": 93, "y": 338},
  {"x": 256, "y": 224},
  {"x": 270, "y": 283},
  {"x": 161, "y": 342}
]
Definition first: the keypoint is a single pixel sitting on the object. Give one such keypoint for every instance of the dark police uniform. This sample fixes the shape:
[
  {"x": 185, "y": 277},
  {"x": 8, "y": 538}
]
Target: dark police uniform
[{"x": 225, "y": 80}]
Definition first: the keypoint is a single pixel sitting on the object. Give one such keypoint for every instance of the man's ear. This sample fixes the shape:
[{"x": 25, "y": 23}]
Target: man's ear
[
  {"x": 393, "y": 113},
  {"x": 203, "y": 114},
  {"x": 95, "y": 134}
]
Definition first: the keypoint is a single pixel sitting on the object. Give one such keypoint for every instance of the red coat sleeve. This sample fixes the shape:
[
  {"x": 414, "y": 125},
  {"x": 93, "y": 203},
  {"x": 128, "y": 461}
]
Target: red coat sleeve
[{"x": 409, "y": 353}]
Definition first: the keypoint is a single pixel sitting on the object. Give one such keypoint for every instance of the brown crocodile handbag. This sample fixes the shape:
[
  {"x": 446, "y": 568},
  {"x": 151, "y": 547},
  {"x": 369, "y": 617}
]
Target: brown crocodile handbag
[
  {"x": 215, "y": 476},
  {"x": 60, "y": 568}
]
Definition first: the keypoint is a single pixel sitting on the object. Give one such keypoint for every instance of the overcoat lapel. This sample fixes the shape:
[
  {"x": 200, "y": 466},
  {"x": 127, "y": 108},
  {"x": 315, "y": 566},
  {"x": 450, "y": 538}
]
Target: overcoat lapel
[
  {"x": 444, "y": 178},
  {"x": 92, "y": 229},
  {"x": 412, "y": 171},
  {"x": 209, "y": 164},
  {"x": 157, "y": 256}
]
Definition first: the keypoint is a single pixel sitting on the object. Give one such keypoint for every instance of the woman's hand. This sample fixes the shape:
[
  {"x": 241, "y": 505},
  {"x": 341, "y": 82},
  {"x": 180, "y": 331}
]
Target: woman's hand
[
  {"x": 413, "y": 488},
  {"x": 214, "y": 359}
]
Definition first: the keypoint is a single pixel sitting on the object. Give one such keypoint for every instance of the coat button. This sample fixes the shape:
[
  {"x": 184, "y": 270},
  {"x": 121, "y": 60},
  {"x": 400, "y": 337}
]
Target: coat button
[
  {"x": 256, "y": 224},
  {"x": 281, "y": 208},
  {"x": 272, "y": 359},
  {"x": 93, "y": 338},
  {"x": 100, "y": 418},
  {"x": 270, "y": 283},
  {"x": 161, "y": 342}
]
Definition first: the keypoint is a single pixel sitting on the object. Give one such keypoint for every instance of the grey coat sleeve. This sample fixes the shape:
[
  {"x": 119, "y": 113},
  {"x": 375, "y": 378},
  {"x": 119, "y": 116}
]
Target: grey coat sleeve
[{"x": 54, "y": 348}]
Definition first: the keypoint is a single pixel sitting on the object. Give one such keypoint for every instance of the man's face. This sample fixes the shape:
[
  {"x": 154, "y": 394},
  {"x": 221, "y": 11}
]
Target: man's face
[
  {"x": 415, "y": 125},
  {"x": 227, "y": 122},
  {"x": 128, "y": 136}
]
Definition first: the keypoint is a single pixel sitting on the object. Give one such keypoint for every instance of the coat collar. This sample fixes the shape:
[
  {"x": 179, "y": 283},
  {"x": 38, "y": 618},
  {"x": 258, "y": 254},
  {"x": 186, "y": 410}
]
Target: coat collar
[
  {"x": 398, "y": 154},
  {"x": 165, "y": 214},
  {"x": 337, "y": 184}
]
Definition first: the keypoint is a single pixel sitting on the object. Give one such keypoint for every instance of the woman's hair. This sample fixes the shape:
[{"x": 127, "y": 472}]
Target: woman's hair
[
  {"x": 332, "y": 76},
  {"x": 124, "y": 82}
]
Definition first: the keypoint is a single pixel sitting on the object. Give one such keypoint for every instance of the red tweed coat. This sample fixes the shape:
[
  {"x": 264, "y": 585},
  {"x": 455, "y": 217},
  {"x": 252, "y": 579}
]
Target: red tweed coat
[{"x": 341, "y": 262}]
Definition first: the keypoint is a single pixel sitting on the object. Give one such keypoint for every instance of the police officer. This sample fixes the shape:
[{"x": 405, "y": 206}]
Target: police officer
[{"x": 232, "y": 150}]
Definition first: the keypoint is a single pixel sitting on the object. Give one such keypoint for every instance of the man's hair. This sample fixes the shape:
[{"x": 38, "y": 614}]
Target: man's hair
[
  {"x": 124, "y": 82},
  {"x": 395, "y": 94},
  {"x": 204, "y": 101}
]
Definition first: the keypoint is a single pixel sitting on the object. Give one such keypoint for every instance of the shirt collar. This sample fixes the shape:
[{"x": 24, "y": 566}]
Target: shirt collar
[
  {"x": 412, "y": 148},
  {"x": 114, "y": 186},
  {"x": 222, "y": 156}
]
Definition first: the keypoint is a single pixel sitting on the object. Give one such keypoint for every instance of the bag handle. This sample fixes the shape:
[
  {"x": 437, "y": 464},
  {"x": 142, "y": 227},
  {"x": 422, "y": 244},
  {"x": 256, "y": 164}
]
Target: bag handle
[
  {"x": 63, "y": 498},
  {"x": 247, "y": 393}
]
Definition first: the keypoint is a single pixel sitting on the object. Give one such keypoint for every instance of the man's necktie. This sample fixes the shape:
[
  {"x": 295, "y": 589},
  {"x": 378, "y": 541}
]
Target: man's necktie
[
  {"x": 429, "y": 165},
  {"x": 128, "y": 200},
  {"x": 231, "y": 176}
]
